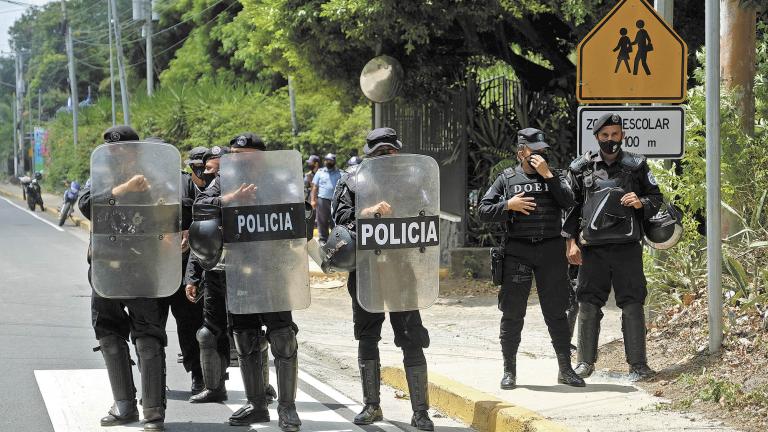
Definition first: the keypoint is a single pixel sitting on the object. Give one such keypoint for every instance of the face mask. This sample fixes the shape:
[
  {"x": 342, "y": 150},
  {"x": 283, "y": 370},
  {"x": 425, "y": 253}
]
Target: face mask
[
  {"x": 208, "y": 178},
  {"x": 198, "y": 171},
  {"x": 330, "y": 165},
  {"x": 609, "y": 147}
]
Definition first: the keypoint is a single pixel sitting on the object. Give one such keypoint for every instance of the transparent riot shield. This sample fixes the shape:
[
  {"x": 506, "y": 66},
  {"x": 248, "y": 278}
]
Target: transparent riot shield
[
  {"x": 264, "y": 229},
  {"x": 397, "y": 207},
  {"x": 135, "y": 220}
]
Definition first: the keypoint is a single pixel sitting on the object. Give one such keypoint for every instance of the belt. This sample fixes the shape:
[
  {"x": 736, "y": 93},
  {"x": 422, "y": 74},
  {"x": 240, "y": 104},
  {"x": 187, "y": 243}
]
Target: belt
[{"x": 530, "y": 239}]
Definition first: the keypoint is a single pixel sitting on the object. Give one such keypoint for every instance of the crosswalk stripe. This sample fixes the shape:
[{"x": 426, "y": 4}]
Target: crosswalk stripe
[{"x": 77, "y": 399}]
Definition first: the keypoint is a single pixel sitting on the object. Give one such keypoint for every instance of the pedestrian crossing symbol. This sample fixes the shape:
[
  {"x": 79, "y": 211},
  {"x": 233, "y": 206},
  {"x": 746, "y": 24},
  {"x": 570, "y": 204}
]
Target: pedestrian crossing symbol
[{"x": 632, "y": 56}]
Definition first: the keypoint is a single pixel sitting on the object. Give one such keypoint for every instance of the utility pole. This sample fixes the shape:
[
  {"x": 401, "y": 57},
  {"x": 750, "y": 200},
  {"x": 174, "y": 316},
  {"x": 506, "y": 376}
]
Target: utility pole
[
  {"x": 150, "y": 61},
  {"x": 111, "y": 67},
  {"x": 18, "y": 126},
  {"x": 714, "y": 240},
  {"x": 121, "y": 65},
  {"x": 292, "y": 101},
  {"x": 72, "y": 78},
  {"x": 15, "y": 139}
]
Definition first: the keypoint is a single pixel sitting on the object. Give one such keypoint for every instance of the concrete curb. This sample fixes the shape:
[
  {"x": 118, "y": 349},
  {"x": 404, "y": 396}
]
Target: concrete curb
[
  {"x": 482, "y": 411},
  {"x": 79, "y": 222}
]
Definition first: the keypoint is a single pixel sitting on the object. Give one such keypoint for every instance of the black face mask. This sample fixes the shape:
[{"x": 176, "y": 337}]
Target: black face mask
[
  {"x": 198, "y": 171},
  {"x": 330, "y": 165},
  {"x": 609, "y": 147},
  {"x": 207, "y": 178}
]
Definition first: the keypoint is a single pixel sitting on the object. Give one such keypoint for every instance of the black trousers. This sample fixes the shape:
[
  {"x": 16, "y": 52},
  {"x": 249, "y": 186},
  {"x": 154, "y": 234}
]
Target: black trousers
[
  {"x": 546, "y": 261},
  {"x": 217, "y": 319},
  {"x": 614, "y": 265},
  {"x": 410, "y": 334},
  {"x": 189, "y": 318},
  {"x": 136, "y": 318},
  {"x": 324, "y": 221}
]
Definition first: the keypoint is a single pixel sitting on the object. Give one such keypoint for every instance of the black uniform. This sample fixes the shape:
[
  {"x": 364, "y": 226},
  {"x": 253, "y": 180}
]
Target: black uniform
[
  {"x": 609, "y": 234},
  {"x": 188, "y": 315},
  {"x": 534, "y": 247},
  {"x": 144, "y": 322},
  {"x": 248, "y": 336}
]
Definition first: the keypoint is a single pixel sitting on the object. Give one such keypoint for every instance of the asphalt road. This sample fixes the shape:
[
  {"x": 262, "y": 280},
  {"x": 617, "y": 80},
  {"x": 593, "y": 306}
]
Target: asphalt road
[{"x": 51, "y": 380}]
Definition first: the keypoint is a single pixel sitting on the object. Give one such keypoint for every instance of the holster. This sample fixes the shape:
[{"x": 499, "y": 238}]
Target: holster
[{"x": 497, "y": 265}]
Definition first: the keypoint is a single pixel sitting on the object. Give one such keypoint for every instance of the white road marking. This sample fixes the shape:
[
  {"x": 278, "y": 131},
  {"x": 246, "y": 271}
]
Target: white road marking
[
  {"x": 77, "y": 399},
  {"x": 56, "y": 227}
]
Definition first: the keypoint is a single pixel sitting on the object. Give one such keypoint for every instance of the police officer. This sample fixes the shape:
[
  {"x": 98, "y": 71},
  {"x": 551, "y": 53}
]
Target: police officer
[
  {"x": 143, "y": 321},
  {"x": 188, "y": 315},
  {"x": 614, "y": 191},
  {"x": 247, "y": 328},
  {"x": 529, "y": 199},
  {"x": 410, "y": 334}
]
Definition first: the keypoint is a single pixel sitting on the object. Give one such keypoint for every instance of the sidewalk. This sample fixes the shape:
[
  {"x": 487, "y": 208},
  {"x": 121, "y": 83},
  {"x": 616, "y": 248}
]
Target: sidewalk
[
  {"x": 464, "y": 349},
  {"x": 52, "y": 204}
]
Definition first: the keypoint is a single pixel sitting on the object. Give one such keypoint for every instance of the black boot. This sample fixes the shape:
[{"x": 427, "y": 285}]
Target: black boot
[
  {"x": 418, "y": 388},
  {"x": 284, "y": 349},
  {"x": 566, "y": 375},
  {"x": 152, "y": 367},
  {"x": 250, "y": 345},
  {"x": 589, "y": 334},
  {"x": 572, "y": 313},
  {"x": 270, "y": 391},
  {"x": 214, "y": 368},
  {"x": 633, "y": 327},
  {"x": 370, "y": 376},
  {"x": 198, "y": 384},
  {"x": 117, "y": 359},
  {"x": 509, "y": 380}
]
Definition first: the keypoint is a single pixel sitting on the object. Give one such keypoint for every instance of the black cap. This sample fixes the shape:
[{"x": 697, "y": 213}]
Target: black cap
[
  {"x": 608, "y": 119},
  {"x": 120, "y": 133},
  {"x": 214, "y": 152},
  {"x": 533, "y": 138},
  {"x": 247, "y": 140},
  {"x": 381, "y": 137},
  {"x": 195, "y": 156}
]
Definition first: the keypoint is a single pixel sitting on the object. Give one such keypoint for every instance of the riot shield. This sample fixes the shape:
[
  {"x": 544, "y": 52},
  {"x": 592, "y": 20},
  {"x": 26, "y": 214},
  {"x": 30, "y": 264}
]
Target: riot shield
[
  {"x": 397, "y": 207},
  {"x": 135, "y": 220},
  {"x": 264, "y": 229}
]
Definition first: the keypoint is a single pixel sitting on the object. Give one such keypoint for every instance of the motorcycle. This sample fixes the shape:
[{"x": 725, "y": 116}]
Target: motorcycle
[
  {"x": 68, "y": 206},
  {"x": 31, "y": 191}
]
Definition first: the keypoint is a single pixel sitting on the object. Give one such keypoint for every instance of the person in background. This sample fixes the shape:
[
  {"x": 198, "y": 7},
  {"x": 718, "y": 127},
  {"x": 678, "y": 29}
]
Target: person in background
[{"x": 323, "y": 184}]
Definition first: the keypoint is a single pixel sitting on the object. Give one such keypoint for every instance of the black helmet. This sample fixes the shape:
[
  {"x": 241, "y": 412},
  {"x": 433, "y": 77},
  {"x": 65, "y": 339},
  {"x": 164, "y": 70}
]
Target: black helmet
[
  {"x": 664, "y": 230},
  {"x": 205, "y": 237},
  {"x": 38, "y": 175},
  {"x": 339, "y": 252}
]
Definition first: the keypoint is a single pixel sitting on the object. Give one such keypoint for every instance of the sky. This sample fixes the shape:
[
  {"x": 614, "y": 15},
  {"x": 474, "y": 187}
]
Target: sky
[{"x": 10, "y": 13}]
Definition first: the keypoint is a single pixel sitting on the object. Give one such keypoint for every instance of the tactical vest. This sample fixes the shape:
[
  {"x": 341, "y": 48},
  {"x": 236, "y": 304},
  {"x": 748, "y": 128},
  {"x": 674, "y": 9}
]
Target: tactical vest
[
  {"x": 604, "y": 220},
  {"x": 545, "y": 220}
]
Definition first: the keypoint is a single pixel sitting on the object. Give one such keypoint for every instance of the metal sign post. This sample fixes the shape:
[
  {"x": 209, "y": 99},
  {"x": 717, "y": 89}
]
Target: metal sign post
[{"x": 714, "y": 240}]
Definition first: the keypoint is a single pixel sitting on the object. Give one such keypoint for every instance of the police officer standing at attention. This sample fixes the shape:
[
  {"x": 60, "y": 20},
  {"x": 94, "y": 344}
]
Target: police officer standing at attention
[
  {"x": 247, "y": 328},
  {"x": 614, "y": 191},
  {"x": 410, "y": 334},
  {"x": 529, "y": 199},
  {"x": 144, "y": 321}
]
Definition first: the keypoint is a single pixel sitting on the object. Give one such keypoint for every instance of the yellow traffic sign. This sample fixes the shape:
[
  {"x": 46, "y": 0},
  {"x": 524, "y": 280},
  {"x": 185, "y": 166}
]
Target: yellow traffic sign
[{"x": 632, "y": 56}]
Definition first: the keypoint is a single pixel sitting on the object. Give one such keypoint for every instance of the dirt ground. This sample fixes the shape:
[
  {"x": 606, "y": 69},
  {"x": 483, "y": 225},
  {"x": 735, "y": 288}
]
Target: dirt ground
[{"x": 731, "y": 386}]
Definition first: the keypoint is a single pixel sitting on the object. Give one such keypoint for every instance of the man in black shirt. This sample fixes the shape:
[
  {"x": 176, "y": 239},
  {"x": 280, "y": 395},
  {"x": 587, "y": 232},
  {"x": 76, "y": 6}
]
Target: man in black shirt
[
  {"x": 529, "y": 200},
  {"x": 614, "y": 192}
]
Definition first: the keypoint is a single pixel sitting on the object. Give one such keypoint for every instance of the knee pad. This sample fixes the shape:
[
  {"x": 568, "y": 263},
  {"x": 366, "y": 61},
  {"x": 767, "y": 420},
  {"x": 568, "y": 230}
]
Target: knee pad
[
  {"x": 283, "y": 341},
  {"x": 248, "y": 341},
  {"x": 412, "y": 337},
  {"x": 112, "y": 345},
  {"x": 206, "y": 338},
  {"x": 590, "y": 311},
  {"x": 148, "y": 347}
]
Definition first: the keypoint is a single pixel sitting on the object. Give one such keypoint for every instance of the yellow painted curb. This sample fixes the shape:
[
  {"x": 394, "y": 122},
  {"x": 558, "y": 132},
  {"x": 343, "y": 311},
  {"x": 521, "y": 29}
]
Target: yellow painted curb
[{"x": 482, "y": 411}]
